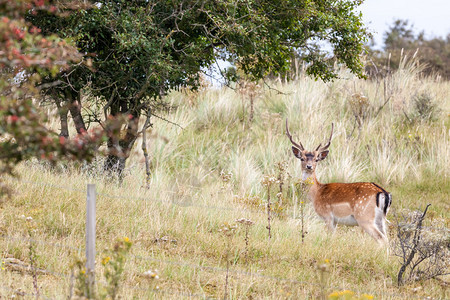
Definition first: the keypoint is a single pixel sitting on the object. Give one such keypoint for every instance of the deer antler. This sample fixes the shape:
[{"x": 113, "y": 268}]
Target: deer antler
[
  {"x": 320, "y": 149},
  {"x": 299, "y": 146}
]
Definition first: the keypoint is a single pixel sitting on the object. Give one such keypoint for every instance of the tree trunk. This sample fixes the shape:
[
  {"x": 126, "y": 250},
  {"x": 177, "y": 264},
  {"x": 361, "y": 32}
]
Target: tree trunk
[
  {"x": 119, "y": 148},
  {"x": 75, "y": 111},
  {"x": 63, "y": 111}
]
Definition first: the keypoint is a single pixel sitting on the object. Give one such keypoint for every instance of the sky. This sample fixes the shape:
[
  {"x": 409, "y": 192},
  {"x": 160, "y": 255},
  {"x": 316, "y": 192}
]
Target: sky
[{"x": 432, "y": 16}]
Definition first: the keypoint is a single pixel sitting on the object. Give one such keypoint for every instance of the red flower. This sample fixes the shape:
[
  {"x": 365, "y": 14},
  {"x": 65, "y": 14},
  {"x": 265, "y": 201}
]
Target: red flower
[
  {"x": 12, "y": 119},
  {"x": 15, "y": 52},
  {"x": 39, "y": 3},
  {"x": 34, "y": 29},
  {"x": 19, "y": 33}
]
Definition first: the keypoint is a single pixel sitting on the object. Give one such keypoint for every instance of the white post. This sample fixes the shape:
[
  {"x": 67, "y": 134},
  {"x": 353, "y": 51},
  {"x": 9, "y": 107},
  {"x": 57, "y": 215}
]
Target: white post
[{"x": 90, "y": 238}]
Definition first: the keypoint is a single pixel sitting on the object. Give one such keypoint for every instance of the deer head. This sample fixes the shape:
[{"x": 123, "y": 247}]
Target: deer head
[{"x": 309, "y": 158}]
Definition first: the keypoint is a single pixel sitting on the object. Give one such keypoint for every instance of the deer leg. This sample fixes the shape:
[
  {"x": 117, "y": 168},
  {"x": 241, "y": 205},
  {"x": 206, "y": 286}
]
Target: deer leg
[
  {"x": 373, "y": 231},
  {"x": 381, "y": 225},
  {"x": 330, "y": 222}
]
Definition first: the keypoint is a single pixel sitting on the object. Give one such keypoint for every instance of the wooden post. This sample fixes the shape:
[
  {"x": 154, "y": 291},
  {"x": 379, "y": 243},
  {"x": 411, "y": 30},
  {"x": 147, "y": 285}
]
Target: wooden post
[{"x": 90, "y": 239}]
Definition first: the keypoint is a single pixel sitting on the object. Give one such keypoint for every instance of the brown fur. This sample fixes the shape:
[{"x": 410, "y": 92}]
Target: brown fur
[{"x": 345, "y": 203}]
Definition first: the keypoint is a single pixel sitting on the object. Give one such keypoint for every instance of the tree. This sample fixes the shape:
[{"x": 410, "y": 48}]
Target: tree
[
  {"x": 401, "y": 36},
  {"x": 26, "y": 56},
  {"x": 402, "y": 40},
  {"x": 140, "y": 50}
]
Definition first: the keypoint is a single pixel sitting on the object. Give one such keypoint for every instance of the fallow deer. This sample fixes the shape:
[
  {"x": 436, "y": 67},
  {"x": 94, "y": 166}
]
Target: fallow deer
[{"x": 361, "y": 203}]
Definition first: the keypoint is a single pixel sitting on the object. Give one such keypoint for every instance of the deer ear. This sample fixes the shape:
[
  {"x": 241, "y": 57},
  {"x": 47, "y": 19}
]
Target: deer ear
[
  {"x": 297, "y": 152},
  {"x": 323, "y": 155}
]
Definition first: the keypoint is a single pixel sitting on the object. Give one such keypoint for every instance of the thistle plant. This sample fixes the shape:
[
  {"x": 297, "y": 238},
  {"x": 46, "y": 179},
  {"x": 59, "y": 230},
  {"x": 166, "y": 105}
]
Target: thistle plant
[
  {"x": 302, "y": 187},
  {"x": 267, "y": 181},
  {"x": 302, "y": 218},
  {"x": 282, "y": 174},
  {"x": 323, "y": 268},
  {"x": 250, "y": 90},
  {"x": 32, "y": 253},
  {"x": 228, "y": 231},
  {"x": 247, "y": 223},
  {"x": 360, "y": 107},
  {"x": 226, "y": 178}
]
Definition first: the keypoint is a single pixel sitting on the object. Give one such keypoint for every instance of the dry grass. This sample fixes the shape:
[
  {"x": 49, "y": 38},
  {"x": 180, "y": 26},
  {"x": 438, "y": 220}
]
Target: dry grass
[{"x": 175, "y": 225}]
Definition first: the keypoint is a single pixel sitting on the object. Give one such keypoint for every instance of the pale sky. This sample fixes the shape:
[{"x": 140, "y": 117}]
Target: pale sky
[{"x": 432, "y": 16}]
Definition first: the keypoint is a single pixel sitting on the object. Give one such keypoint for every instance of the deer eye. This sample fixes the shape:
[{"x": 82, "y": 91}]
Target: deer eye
[{"x": 302, "y": 159}]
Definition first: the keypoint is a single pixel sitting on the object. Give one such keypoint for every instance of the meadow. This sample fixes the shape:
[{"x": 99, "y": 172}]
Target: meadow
[{"x": 217, "y": 167}]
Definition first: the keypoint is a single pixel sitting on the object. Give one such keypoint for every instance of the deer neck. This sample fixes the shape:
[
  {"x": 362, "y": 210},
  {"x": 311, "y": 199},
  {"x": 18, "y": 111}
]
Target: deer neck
[
  {"x": 310, "y": 177},
  {"x": 312, "y": 182}
]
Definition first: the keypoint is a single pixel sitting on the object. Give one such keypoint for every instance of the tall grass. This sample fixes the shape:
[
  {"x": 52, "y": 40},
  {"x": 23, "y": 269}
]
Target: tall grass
[{"x": 188, "y": 200}]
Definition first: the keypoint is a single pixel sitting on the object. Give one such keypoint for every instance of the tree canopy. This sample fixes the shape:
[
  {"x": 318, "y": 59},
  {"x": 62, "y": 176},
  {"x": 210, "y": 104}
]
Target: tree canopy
[
  {"x": 402, "y": 40},
  {"x": 26, "y": 56},
  {"x": 136, "y": 51}
]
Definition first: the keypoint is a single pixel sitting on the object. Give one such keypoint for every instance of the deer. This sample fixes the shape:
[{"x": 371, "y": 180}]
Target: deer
[{"x": 363, "y": 204}]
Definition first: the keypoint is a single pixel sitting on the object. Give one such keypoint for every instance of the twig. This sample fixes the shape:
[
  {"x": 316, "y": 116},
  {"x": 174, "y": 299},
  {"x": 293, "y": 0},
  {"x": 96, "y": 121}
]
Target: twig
[
  {"x": 108, "y": 104},
  {"x": 168, "y": 121},
  {"x": 144, "y": 148},
  {"x": 72, "y": 278},
  {"x": 268, "y": 211},
  {"x": 416, "y": 240},
  {"x": 382, "y": 106}
]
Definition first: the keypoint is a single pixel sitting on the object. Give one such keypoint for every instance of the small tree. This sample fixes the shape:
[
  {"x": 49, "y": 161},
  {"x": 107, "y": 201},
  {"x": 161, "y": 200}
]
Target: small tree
[
  {"x": 424, "y": 255},
  {"x": 26, "y": 56}
]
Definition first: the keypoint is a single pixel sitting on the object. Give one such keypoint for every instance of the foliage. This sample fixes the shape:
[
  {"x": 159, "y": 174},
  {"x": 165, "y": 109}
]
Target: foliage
[
  {"x": 401, "y": 39},
  {"x": 113, "y": 265},
  {"x": 26, "y": 57},
  {"x": 424, "y": 254},
  {"x": 401, "y": 35},
  {"x": 25, "y": 136},
  {"x": 186, "y": 202},
  {"x": 140, "y": 50},
  {"x": 423, "y": 109},
  {"x": 424, "y": 106}
]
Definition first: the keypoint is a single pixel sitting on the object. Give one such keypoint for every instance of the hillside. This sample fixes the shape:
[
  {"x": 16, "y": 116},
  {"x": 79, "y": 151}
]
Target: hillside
[{"x": 207, "y": 172}]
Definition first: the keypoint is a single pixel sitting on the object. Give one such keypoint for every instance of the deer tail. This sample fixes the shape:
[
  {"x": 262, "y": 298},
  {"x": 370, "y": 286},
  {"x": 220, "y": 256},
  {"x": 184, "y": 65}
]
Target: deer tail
[{"x": 384, "y": 199}]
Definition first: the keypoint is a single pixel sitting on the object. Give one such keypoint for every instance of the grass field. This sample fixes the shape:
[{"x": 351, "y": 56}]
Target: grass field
[{"x": 393, "y": 131}]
